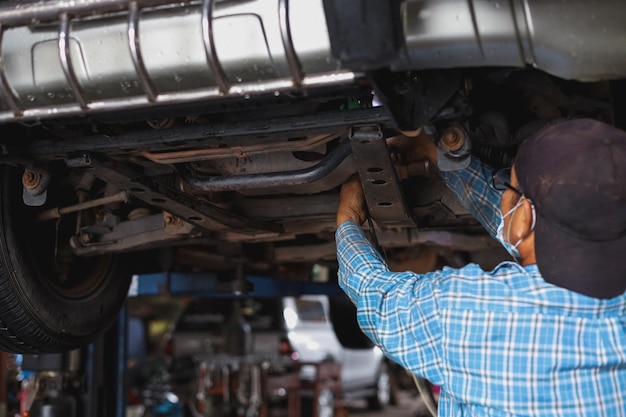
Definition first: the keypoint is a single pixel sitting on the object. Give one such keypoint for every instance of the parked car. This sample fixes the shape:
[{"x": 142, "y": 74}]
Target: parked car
[
  {"x": 214, "y": 135},
  {"x": 294, "y": 328}
]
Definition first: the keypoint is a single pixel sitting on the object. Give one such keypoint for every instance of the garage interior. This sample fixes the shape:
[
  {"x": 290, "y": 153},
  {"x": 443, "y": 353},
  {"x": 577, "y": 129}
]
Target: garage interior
[
  {"x": 133, "y": 370},
  {"x": 170, "y": 174}
]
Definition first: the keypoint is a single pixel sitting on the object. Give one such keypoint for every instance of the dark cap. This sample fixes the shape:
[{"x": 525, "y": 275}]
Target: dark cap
[{"x": 574, "y": 172}]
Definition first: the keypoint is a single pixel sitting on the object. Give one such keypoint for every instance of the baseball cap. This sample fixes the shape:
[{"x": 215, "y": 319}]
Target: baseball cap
[{"x": 574, "y": 172}]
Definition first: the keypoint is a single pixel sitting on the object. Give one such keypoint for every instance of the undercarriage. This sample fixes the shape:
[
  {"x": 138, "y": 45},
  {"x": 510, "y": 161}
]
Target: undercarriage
[{"x": 215, "y": 135}]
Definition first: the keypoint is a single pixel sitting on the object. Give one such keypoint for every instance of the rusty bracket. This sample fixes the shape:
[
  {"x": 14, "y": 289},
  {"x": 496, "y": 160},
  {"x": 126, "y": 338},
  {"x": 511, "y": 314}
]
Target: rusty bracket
[{"x": 383, "y": 193}]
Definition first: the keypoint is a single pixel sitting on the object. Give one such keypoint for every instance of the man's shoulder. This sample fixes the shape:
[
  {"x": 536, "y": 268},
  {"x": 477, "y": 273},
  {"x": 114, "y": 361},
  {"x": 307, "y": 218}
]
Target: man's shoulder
[
  {"x": 472, "y": 271},
  {"x": 472, "y": 284}
]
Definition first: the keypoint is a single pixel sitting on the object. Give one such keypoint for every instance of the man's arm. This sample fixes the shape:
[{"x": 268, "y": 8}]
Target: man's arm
[
  {"x": 473, "y": 187},
  {"x": 397, "y": 311}
]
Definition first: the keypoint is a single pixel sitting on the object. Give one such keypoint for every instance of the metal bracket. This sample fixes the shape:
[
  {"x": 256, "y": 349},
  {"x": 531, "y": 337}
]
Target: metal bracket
[
  {"x": 383, "y": 194},
  {"x": 111, "y": 235}
]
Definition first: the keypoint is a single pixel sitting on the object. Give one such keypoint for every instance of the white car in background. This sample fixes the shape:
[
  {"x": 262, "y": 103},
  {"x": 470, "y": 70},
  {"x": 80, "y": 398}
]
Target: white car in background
[{"x": 364, "y": 370}]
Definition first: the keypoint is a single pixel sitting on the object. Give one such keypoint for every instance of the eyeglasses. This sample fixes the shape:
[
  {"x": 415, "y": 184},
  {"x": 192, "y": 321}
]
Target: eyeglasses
[{"x": 500, "y": 181}]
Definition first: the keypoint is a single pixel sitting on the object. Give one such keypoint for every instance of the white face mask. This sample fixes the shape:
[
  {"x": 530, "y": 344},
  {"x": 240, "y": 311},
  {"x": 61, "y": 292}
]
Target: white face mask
[{"x": 510, "y": 248}]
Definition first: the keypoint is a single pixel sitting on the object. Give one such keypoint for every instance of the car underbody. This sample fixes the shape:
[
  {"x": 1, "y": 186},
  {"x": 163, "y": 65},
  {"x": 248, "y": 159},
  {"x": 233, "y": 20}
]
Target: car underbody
[{"x": 215, "y": 135}]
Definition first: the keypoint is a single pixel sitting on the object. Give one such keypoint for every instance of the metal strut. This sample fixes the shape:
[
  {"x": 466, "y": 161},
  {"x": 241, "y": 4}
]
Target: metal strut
[{"x": 383, "y": 194}]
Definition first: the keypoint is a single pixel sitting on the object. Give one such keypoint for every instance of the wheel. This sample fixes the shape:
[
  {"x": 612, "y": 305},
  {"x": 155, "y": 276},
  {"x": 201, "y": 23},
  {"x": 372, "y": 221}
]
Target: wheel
[
  {"x": 382, "y": 395},
  {"x": 50, "y": 301}
]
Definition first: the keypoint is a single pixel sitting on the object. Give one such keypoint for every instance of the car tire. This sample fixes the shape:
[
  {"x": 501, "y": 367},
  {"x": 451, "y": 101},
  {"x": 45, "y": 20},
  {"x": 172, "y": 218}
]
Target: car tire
[
  {"x": 50, "y": 301},
  {"x": 382, "y": 395}
]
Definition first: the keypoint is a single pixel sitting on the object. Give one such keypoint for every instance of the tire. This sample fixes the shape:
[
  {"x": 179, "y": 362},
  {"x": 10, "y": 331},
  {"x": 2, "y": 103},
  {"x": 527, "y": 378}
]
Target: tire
[
  {"x": 382, "y": 395},
  {"x": 50, "y": 301}
]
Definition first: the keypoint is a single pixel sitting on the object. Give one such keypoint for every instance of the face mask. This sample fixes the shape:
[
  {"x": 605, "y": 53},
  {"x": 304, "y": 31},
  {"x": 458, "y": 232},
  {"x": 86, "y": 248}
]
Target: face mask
[{"x": 511, "y": 249}]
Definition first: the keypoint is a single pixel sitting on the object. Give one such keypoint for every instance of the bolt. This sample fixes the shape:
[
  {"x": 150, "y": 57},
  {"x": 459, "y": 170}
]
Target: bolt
[
  {"x": 171, "y": 220},
  {"x": 31, "y": 179},
  {"x": 453, "y": 139}
]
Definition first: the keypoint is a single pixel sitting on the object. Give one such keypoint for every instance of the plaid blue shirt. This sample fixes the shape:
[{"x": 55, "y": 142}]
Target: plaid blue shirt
[{"x": 499, "y": 343}]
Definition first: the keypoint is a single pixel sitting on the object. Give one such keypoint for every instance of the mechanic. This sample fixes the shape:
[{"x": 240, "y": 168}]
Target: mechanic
[{"x": 542, "y": 337}]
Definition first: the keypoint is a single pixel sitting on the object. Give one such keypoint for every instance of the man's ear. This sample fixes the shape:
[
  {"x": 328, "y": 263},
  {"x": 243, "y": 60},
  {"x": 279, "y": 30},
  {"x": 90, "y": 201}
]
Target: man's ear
[{"x": 522, "y": 221}]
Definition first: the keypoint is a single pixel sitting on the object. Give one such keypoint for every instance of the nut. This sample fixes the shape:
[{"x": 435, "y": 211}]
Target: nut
[
  {"x": 31, "y": 179},
  {"x": 171, "y": 220},
  {"x": 453, "y": 139}
]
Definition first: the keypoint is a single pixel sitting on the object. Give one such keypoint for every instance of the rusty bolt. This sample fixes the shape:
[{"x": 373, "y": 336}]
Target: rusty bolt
[
  {"x": 453, "y": 139},
  {"x": 31, "y": 179},
  {"x": 171, "y": 220}
]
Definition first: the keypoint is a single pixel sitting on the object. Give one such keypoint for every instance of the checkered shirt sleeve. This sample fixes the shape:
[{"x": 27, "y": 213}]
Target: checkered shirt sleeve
[
  {"x": 473, "y": 187},
  {"x": 501, "y": 343}
]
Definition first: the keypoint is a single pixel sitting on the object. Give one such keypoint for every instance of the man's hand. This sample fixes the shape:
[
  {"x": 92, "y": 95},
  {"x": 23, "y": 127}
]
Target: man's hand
[
  {"x": 351, "y": 202},
  {"x": 411, "y": 147},
  {"x": 414, "y": 146}
]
